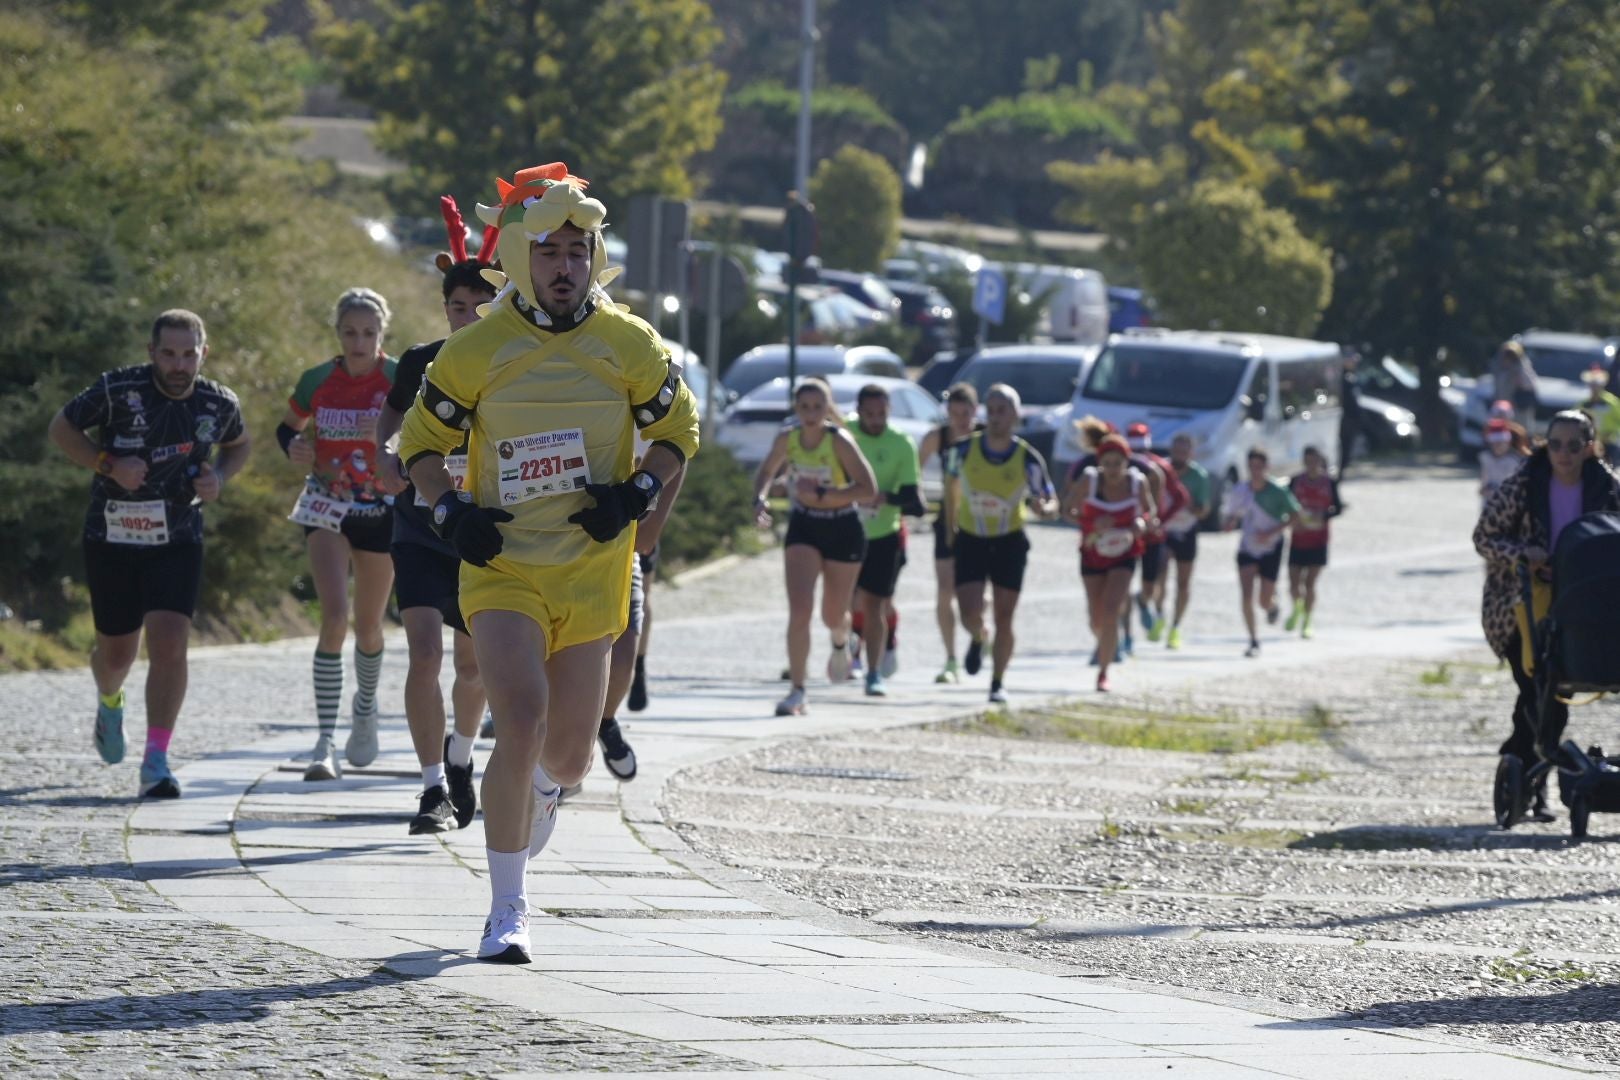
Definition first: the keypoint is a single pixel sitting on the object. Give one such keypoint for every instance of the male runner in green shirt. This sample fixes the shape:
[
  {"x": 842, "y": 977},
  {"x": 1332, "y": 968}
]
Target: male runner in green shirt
[{"x": 893, "y": 457}]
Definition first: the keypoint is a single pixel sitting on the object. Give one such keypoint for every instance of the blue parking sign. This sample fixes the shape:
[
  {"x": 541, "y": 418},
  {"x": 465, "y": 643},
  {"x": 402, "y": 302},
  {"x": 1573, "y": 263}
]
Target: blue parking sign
[{"x": 990, "y": 295}]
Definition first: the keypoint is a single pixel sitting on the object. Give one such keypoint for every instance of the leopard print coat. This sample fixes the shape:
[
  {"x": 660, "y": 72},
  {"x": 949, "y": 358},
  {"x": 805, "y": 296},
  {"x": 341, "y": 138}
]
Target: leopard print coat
[{"x": 1517, "y": 517}]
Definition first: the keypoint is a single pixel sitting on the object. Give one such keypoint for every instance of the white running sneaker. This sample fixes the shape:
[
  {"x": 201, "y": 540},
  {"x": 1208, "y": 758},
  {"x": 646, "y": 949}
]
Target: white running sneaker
[
  {"x": 361, "y": 749},
  {"x": 506, "y": 933},
  {"x": 839, "y": 663},
  {"x": 545, "y": 821},
  {"x": 793, "y": 704},
  {"x": 890, "y": 663},
  {"x": 323, "y": 762}
]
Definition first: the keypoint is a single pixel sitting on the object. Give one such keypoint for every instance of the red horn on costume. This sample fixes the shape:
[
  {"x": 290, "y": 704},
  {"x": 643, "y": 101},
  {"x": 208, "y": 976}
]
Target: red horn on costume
[
  {"x": 454, "y": 227},
  {"x": 486, "y": 251}
]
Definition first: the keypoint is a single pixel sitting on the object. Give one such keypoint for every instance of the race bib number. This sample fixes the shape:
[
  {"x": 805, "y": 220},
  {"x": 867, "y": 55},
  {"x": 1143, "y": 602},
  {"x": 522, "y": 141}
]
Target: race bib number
[
  {"x": 144, "y": 523},
  {"x": 456, "y": 466},
  {"x": 542, "y": 465},
  {"x": 1181, "y": 521},
  {"x": 1112, "y": 543},
  {"x": 987, "y": 505},
  {"x": 1311, "y": 521},
  {"x": 319, "y": 510}
]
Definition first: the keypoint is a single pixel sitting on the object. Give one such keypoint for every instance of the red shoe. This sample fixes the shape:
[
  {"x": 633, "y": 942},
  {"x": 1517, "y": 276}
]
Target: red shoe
[{"x": 1102, "y": 683}]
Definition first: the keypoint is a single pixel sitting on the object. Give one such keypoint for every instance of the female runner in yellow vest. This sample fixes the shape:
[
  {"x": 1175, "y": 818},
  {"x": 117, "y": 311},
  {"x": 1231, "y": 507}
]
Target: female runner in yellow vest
[
  {"x": 989, "y": 477},
  {"x": 827, "y": 476}
]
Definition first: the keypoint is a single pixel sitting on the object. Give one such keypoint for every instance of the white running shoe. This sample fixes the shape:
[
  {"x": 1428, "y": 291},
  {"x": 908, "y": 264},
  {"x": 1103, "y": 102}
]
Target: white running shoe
[
  {"x": 545, "y": 820},
  {"x": 890, "y": 663},
  {"x": 793, "y": 704},
  {"x": 506, "y": 932},
  {"x": 839, "y": 663},
  {"x": 361, "y": 749},
  {"x": 323, "y": 762}
]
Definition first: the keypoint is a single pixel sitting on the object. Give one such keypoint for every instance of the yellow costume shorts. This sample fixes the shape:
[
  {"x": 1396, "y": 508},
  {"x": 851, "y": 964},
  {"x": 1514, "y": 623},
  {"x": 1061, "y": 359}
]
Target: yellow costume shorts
[{"x": 574, "y": 602}]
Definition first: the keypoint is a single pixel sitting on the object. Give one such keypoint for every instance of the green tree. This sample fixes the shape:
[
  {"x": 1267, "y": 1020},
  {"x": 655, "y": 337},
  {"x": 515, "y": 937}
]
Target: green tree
[
  {"x": 466, "y": 90},
  {"x": 857, "y": 199},
  {"x": 1266, "y": 277},
  {"x": 1466, "y": 164}
]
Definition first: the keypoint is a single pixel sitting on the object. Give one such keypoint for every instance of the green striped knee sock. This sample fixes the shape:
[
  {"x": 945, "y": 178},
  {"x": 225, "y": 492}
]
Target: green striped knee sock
[
  {"x": 328, "y": 689},
  {"x": 367, "y": 668}
]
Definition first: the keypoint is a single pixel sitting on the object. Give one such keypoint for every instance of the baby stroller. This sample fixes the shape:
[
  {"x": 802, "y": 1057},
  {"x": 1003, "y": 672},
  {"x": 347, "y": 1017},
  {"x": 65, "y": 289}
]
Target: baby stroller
[{"x": 1575, "y": 650}]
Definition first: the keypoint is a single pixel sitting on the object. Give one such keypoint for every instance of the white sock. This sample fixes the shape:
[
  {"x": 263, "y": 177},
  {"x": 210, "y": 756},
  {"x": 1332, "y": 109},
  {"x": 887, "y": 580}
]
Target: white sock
[
  {"x": 459, "y": 752},
  {"x": 432, "y": 776},
  {"x": 542, "y": 782},
  {"x": 506, "y": 874}
]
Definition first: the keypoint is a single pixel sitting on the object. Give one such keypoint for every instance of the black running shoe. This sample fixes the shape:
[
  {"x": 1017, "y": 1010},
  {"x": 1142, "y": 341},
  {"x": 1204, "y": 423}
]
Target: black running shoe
[
  {"x": 974, "y": 658},
  {"x": 637, "y": 700},
  {"x": 463, "y": 793},
  {"x": 435, "y": 814},
  {"x": 616, "y": 753}
]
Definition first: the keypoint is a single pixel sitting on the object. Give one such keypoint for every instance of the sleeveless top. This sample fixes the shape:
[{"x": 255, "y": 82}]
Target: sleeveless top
[
  {"x": 820, "y": 464},
  {"x": 1107, "y": 524}
]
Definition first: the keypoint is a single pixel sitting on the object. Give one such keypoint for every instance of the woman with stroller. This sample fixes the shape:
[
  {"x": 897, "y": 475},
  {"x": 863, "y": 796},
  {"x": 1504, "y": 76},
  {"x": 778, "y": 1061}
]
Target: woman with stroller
[{"x": 1561, "y": 480}]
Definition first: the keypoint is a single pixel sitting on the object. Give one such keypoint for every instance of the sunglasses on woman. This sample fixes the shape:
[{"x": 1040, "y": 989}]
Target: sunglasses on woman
[{"x": 1570, "y": 446}]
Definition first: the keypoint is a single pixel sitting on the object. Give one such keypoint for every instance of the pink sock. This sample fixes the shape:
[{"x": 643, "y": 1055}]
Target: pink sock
[{"x": 157, "y": 740}]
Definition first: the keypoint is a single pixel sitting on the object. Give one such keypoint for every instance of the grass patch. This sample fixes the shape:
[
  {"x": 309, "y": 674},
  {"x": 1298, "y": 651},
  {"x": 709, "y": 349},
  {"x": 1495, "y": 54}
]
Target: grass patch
[
  {"x": 1306, "y": 776},
  {"x": 1186, "y": 732},
  {"x": 1439, "y": 675},
  {"x": 1519, "y": 969},
  {"x": 1190, "y": 807},
  {"x": 24, "y": 649}
]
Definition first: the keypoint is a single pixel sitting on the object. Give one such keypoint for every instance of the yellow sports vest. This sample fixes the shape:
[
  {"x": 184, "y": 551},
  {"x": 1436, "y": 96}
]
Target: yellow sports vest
[
  {"x": 821, "y": 464},
  {"x": 991, "y": 497}
]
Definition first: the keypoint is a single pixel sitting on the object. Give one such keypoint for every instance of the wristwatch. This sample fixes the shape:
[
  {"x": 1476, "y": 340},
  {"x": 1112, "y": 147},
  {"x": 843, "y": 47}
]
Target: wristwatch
[
  {"x": 649, "y": 485},
  {"x": 442, "y": 508}
]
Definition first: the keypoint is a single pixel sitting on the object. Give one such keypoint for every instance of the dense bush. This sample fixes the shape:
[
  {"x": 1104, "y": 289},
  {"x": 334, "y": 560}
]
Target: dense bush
[
  {"x": 716, "y": 504},
  {"x": 857, "y": 199}
]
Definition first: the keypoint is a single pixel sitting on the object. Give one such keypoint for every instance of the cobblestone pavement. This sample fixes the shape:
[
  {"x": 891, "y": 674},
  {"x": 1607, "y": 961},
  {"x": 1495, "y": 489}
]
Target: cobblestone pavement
[
  {"x": 1352, "y": 867},
  {"x": 249, "y": 956}
]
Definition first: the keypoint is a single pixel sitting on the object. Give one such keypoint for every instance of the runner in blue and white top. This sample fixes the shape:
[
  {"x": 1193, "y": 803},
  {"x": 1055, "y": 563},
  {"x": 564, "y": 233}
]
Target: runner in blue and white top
[{"x": 1262, "y": 508}]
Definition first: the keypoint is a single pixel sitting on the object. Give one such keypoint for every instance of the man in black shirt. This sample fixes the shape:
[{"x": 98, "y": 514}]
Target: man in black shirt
[
  {"x": 426, "y": 584},
  {"x": 157, "y": 425}
]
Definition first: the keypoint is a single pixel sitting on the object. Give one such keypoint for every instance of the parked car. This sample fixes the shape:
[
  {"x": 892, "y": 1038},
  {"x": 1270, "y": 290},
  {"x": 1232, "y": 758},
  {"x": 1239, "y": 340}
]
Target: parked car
[
  {"x": 1392, "y": 382},
  {"x": 749, "y": 425},
  {"x": 1385, "y": 425},
  {"x": 868, "y": 289},
  {"x": 1127, "y": 308},
  {"x": 924, "y": 308},
  {"x": 1045, "y": 377},
  {"x": 766, "y": 362},
  {"x": 1228, "y": 391},
  {"x": 826, "y": 315},
  {"x": 939, "y": 373},
  {"x": 1074, "y": 301},
  {"x": 1559, "y": 360}
]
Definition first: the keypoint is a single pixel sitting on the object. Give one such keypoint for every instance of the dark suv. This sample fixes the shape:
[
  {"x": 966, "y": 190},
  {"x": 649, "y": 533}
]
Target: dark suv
[{"x": 924, "y": 308}]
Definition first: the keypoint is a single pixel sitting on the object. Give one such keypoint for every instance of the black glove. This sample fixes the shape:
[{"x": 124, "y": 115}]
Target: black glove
[
  {"x": 470, "y": 529},
  {"x": 617, "y": 505}
]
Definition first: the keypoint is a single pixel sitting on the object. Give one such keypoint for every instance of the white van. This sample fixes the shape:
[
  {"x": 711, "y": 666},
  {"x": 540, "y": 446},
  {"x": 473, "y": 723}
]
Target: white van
[
  {"x": 1229, "y": 391},
  {"x": 1076, "y": 305}
]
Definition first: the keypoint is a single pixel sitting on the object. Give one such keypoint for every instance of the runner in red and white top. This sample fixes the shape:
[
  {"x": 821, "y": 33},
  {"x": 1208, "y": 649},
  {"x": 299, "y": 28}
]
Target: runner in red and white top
[
  {"x": 1111, "y": 503},
  {"x": 1318, "y": 496}
]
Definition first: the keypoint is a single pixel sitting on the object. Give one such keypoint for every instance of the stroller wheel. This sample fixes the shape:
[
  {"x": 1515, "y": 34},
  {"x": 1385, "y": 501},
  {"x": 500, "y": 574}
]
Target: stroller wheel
[
  {"x": 1578, "y": 814},
  {"x": 1509, "y": 791}
]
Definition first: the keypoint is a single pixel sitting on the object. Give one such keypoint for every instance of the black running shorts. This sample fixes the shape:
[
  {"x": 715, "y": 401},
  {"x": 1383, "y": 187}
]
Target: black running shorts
[
  {"x": 998, "y": 559},
  {"x": 1311, "y": 556},
  {"x": 1270, "y": 563},
  {"x": 839, "y": 537},
  {"x": 1183, "y": 547},
  {"x": 1154, "y": 557},
  {"x": 424, "y": 577},
  {"x": 885, "y": 555},
  {"x": 367, "y": 530},
  {"x": 649, "y": 563},
  {"x": 128, "y": 580},
  {"x": 942, "y": 542}
]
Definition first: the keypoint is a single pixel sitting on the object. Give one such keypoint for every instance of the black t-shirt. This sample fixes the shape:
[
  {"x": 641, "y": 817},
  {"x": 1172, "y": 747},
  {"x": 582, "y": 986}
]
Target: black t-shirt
[
  {"x": 173, "y": 436},
  {"x": 413, "y": 524}
]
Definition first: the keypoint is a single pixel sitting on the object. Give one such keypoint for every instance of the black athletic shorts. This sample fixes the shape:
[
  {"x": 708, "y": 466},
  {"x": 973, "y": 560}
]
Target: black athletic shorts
[
  {"x": 998, "y": 559},
  {"x": 839, "y": 537},
  {"x": 367, "y": 530},
  {"x": 1154, "y": 557},
  {"x": 1127, "y": 565},
  {"x": 942, "y": 542},
  {"x": 1310, "y": 556},
  {"x": 128, "y": 580},
  {"x": 1183, "y": 547},
  {"x": 1270, "y": 563},
  {"x": 885, "y": 555},
  {"x": 427, "y": 578},
  {"x": 649, "y": 563}
]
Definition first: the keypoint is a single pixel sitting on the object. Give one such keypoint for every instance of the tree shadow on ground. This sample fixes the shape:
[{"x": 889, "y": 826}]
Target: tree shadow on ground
[
  {"x": 181, "y": 1009},
  {"x": 1589, "y": 1002}
]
